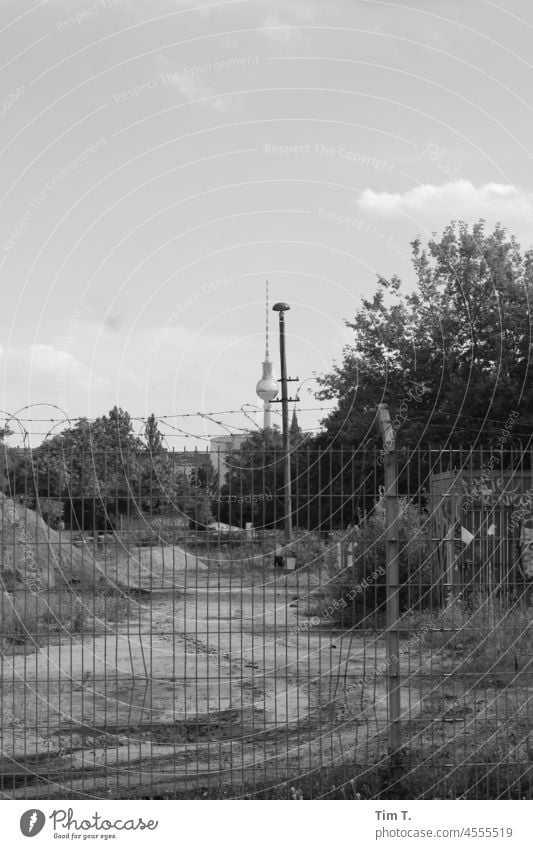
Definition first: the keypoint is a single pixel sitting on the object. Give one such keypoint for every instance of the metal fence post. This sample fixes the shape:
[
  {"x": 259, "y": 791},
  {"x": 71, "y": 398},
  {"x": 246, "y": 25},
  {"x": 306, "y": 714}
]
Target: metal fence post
[{"x": 392, "y": 568}]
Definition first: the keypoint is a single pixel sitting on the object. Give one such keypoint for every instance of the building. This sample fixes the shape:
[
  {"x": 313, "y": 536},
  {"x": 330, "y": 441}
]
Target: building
[{"x": 219, "y": 447}]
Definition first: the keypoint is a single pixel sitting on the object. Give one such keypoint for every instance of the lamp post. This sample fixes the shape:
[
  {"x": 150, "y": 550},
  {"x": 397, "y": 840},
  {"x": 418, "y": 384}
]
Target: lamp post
[{"x": 282, "y": 308}]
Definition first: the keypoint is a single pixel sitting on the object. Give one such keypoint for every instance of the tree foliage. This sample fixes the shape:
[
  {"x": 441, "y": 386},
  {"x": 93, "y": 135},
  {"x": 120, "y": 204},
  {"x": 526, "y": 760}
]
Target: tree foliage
[
  {"x": 6, "y": 457},
  {"x": 452, "y": 358},
  {"x": 100, "y": 470},
  {"x": 154, "y": 439},
  {"x": 254, "y": 487}
]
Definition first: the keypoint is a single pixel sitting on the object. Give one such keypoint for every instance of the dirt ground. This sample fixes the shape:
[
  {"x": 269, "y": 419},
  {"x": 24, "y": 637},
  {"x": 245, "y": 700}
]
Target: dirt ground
[
  {"x": 209, "y": 680},
  {"x": 207, "y": 677}
]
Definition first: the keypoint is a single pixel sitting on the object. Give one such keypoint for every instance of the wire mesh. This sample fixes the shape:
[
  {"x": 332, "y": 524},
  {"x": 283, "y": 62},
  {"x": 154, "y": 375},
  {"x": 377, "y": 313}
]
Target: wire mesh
[{"x": 160, "y": 638}]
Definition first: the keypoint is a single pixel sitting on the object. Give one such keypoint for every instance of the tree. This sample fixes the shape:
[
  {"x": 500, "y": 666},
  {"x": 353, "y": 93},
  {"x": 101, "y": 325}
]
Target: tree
[
  {"x": 253, "y": 491},
  {"x": 5, "y": 432},
  {"x": 152, "y": 434},
  {"x": 451, "y": 359},
  {"x": 100, "y": 470},
  {"x": 6, "y": 461},
  {"x": 94, "y": 468}
]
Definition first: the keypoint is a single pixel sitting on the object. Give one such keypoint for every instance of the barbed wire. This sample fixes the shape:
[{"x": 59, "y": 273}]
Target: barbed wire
[
  {"x": 197, "y": 414},
  {"x": 165, "y": 422}
]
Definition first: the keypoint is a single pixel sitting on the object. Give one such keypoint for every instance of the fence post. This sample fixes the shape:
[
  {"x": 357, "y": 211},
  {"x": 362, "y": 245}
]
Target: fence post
[{"x": 392, "y": 568}]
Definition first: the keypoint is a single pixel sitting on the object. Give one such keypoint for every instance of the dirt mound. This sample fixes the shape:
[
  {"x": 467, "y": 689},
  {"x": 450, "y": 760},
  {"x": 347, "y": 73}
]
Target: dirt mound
[
  {"x": 33, "y": 556},
  {"x": 166, "y": 567}
]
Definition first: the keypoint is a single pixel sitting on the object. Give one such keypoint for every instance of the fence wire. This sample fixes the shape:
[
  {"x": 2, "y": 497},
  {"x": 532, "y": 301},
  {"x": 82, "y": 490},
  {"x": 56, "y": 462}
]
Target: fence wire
[{"x": 161, "y": 638}]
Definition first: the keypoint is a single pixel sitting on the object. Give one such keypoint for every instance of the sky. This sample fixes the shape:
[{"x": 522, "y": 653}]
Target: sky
[{"x": 162, "y": 159}]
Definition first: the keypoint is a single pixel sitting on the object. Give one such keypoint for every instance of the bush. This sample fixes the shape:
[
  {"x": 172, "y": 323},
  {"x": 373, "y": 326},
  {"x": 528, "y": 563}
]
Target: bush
[
  {"x": 487, "y": 635},
  {"x": 51, "y": 509},
  {"x": 312, "y": 552},
  {"x": 29, "y": 617},
  {"x": 360, "y": 589}
]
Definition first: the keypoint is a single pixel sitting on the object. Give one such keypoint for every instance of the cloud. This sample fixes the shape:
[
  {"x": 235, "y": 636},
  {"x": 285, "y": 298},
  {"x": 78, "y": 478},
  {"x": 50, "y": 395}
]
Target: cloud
[
  {"x": 283, "y": 20},
  {"x": 43, "y": 374},
  {"x": 458, "y": 199},
  {"x": 281, "y": 31},
  {"x": 191, "y": 84},
  {"x": 50, "y": 360}
]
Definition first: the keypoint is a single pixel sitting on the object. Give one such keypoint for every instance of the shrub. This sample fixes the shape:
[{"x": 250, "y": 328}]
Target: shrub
[
  {"x": 312, "y": 552},
  {"x": 51, "y": 509},
  {"x": 491, "y": 636},
  {"x": 29, "y": 617},
  {"x": 360, "y": 589}
]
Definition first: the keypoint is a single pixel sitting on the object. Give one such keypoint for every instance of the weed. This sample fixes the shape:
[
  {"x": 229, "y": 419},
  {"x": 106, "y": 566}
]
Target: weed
[{"x": 32, "y": 617}]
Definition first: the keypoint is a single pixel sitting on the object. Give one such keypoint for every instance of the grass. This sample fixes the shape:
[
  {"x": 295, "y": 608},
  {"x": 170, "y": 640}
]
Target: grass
[
  {"x": 249, "y": 561},
  {"x": 30, "y": 618},
  {"x": 487, "y": 637},
  {"x": 399, "y": 778}
]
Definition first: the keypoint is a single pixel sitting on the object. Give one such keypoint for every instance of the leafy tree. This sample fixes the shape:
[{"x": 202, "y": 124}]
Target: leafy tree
[
  {"x": 6, "y": 457},
  {"x": 254, "y": 486},
  {"x": 167, "y": 489},
  {"x": 153, "y": 436},
  {"x": 451, "y": 359},
  {"x": 100, "y": 470},
  {"x": 94, "y": 468}
]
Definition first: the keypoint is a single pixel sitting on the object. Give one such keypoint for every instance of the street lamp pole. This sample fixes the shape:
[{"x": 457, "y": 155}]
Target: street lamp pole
[{"x": 282, "y": 308}]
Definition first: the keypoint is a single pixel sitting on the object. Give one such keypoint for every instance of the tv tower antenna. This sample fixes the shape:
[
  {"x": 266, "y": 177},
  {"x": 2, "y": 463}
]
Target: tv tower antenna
[{"x": 266, "y": 329}]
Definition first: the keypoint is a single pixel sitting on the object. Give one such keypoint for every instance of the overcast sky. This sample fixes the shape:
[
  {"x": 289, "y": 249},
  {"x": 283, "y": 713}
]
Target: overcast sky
[{"x": 162, "y": 158}]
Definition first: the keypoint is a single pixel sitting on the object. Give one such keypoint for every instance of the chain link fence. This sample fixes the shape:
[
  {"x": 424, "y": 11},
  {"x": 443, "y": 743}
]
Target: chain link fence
[{"x": 161, "y": 639}]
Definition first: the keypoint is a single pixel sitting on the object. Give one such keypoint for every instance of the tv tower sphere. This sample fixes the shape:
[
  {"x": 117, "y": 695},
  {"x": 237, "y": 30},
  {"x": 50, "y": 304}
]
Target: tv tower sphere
[{"x": 267, "y": 388}]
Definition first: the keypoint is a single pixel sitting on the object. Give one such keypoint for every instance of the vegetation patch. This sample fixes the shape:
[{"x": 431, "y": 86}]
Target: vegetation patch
[{"x": 30, "y": 618}]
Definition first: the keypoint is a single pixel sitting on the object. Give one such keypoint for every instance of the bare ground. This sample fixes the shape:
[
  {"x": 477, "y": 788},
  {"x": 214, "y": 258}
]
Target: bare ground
[{"x": 214, "y": 681}]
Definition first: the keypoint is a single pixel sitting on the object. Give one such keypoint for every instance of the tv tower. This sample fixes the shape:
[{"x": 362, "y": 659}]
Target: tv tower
[{"x": 267, "y": 387}]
